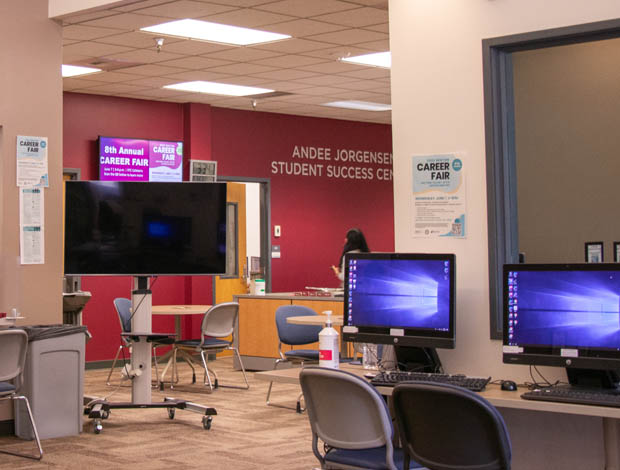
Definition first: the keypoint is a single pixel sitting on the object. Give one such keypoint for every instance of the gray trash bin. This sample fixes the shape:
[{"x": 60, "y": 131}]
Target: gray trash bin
[{"x": 53, "y": 381}]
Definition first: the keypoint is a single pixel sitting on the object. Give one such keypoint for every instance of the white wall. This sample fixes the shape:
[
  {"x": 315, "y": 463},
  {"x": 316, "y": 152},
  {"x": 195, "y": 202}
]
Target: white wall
[
  {"x": 252, "y": 217},
  {"x": 437, "y": 107}
]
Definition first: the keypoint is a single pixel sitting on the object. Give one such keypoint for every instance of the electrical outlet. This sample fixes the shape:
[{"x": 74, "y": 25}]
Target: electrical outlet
[{"x": 277, "y": 231}]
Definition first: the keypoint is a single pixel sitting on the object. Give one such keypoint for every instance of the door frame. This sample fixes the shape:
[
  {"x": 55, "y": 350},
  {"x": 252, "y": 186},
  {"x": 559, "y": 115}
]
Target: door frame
[{"x": 265, "y": 219}]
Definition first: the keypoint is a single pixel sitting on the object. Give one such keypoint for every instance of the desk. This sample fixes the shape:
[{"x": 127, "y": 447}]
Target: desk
[
  {"x": 503, "y": 399},
  {"x": 177, "y": 311},
  {"x": 317, "y": 320}
]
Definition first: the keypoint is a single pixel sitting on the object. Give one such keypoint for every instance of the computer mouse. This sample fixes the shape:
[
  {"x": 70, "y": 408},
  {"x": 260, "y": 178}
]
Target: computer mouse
[{"x": 509, "y": 385}]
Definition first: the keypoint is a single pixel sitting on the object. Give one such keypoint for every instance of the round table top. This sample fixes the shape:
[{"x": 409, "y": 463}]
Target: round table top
[
  {"x": 314, "y": 320},
  {"x": 179, "y": 309}
]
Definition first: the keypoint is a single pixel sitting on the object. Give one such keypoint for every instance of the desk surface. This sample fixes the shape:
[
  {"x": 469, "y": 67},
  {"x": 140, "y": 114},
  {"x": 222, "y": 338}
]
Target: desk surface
[
  {"x": 498, "y": 397},
  {"x": 314, "y": 320},
  {"x": 179, "y": 309}
]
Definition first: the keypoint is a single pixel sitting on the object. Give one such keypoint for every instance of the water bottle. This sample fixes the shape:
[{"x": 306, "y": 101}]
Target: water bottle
[
  {"x": 369, "y": 356},
  {"x": 328, "y": 344}
]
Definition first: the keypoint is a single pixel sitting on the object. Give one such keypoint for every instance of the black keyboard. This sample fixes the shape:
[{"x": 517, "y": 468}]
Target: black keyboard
[
  {"x": 572, "y": 395},
  {"x": 391, "y": 379}
]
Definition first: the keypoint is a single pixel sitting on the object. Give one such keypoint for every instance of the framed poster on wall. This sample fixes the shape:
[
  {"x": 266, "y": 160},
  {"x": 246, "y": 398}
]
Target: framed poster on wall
[{"x": 594, "y": 252}]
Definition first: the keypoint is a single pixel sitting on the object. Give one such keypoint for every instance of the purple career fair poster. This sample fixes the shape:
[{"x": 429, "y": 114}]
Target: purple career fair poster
[{"x": 139, "y": 160}]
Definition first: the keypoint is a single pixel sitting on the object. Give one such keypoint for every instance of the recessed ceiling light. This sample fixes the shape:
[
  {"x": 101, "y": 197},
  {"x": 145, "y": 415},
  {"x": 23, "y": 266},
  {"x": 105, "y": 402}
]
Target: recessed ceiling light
[
  {"x": 360, "y": 105},
  {"x": 215, "y": 88},
  {"x": 378, "y": 59},
  {"x": 74, "y": 70},
  {"x": 215, "y": 32}
]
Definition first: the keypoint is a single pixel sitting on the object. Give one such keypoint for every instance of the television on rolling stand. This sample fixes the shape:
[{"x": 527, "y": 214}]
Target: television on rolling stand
[
  {"x": 402, "y": 299},
  {"x": 144, "y": 229}
]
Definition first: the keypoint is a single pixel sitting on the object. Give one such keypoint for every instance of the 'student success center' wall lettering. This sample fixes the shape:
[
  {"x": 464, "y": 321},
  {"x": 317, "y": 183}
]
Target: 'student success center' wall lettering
[{"x": 342, "y": 163}]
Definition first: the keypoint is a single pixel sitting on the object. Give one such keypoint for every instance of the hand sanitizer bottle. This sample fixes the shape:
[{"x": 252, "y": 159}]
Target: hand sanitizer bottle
[{"x": 328, "y": 344}]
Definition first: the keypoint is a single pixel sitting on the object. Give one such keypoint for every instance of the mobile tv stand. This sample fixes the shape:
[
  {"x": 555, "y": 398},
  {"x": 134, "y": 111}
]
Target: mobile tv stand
[{"x": 99, "y": 409}]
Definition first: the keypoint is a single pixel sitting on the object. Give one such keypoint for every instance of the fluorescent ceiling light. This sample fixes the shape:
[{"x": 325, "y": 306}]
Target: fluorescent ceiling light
[
  {"x": 215, "y": 88},
  {"x": 74, "y": 70},
  {"x": 215, "y": 32},
  {"x": 360, "y": 105},
  {"x": 378, "y": 59}
]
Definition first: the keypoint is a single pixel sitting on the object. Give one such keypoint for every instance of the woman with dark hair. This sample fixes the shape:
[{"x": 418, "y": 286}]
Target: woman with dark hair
[{"x": 355, "y": 242}]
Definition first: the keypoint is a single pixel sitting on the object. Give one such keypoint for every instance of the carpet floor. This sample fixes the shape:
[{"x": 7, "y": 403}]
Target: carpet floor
[{"x": 245, "y": 434}]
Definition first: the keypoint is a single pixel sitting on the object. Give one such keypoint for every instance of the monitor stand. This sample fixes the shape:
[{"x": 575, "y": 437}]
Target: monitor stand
[
  {"x": 99, "y": 409},
  {"x": 417, "y": 359},
  {"x": 593, "y": 379}
]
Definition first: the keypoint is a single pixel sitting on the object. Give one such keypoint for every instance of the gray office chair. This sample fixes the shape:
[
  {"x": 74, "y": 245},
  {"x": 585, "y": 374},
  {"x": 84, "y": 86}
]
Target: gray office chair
[
  {"x": 444, "y": 427},
  {"x": 218, "y": 322},
  {"x": 13, "y": 349},
  {"x": 351, "y": 419},
  {"x": 123, "y": 309},
  {"x": 294, "y": 335}
]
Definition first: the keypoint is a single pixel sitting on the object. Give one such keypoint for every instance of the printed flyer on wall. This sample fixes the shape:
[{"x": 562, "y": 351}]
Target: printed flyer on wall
[
  {"x": 32, "y": 161},
  {"x": 438, "y": 196},
  {"x": 140, "y": 160}
]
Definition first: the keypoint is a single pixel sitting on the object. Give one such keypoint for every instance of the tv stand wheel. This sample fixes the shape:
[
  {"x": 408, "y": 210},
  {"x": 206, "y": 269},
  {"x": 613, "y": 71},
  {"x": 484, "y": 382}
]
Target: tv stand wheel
[
  {"x": 97, "y": 426},
  {"x": 171, "y": 413},
  {"x": 206, "y": 422},
  {"x": 105, "y": 414},
  {"x": 216, "y": 384},
  {"x": 193, "y": 377}
]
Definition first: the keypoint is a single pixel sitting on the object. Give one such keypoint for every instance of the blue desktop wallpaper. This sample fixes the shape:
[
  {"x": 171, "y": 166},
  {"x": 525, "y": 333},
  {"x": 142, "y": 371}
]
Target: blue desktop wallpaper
[
  {"x": 563, "y": 308},
  {"x": 399, "y": 293}
]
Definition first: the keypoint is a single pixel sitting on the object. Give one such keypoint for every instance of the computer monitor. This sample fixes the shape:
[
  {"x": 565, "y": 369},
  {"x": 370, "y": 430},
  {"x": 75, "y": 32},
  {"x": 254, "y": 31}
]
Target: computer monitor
[
  {"x": 564, "y": 315},
  {"x": 402, "y": 299}
]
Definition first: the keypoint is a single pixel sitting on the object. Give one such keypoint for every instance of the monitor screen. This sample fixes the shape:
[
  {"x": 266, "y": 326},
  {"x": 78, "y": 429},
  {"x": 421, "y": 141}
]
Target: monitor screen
[
  {"x": 563, "y": 315},
  {"x": 141, "y": 229},
  {"x": 404, "y": 299},
  {"x": 123, "y": 159}
]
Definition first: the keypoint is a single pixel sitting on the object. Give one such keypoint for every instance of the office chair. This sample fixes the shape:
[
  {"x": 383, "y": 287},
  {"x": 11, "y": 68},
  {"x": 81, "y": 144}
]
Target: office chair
[
  {"x": 444, "y": 427},
  {"x": 351, "y": 419},
  {"x": 123, "y": 309},
  {"x": 217, "y": 323},
  {"x": 13, "y": 349},
  {"x": 294, "y": 335}
]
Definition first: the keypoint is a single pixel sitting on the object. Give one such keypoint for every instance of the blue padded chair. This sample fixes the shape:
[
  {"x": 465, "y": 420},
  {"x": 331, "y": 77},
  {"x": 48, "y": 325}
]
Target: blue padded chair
[
  {"x": 351, "y": 419},
  {"x": 13, "y": 350},
  {"x": 295, "y": 335},
  {"x": 444, "y": 427},
  {"x": 123, "y": 309}
]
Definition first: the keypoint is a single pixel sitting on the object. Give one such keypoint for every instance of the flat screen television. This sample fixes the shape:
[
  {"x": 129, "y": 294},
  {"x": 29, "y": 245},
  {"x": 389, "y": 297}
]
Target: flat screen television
[
  {"x": 144, "y": 229},
  {"x": 122, "y": 159},
  {"x": 402, "y": 299},
  {"x": 563, "y": 315}
]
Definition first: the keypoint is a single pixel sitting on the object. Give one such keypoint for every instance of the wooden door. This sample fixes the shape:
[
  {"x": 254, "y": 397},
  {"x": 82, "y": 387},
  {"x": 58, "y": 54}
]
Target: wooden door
[{"x": 234, "y": 282}]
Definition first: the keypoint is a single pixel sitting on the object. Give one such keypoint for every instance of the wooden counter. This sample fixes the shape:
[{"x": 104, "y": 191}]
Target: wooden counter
[{"x": 257, "y": 336}]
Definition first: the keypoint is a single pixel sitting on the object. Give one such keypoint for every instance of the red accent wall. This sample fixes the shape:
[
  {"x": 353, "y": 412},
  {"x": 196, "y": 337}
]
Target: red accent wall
[{"x": 314, "y": 211}]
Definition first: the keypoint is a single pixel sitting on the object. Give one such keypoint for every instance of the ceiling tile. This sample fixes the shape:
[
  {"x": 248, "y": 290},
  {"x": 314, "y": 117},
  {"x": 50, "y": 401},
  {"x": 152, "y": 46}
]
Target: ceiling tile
[
  {"x": 240, "y": 3},
  {"x": 294, "y": 46},
  {"x": 134, "y": 5},
  {"x": 184, "y": 9},
  {"x": 242, "y": 69},
  {"x": 86, "y": 33},
  {"x": 243, "y": 54},
  {"x": 117, "y": 88},
  {"x": 381, "y": 28},
  {"x": 363, "y": 84},
  {"x": 92, "y": 49},
  {"x": 305, "y": 8},
  {"x": 152, "y": 70},
  {"x": 144, "y": 56},
  {"x": 247, "y": 18},
  {"x": 351, "y": 36},
  {"x": 126, "y": 21},
  {"x": 111, "y": 77},
  {"x": 156, "y": 93},
  {"x": 357, "y": 18},
  {"x": 191, "y": 47},
  {"x": 71, "y": 83},
  {"x": 301, "y": 28},
  {"x": 319, "y": 90},
  {"x": 337, "y": 52},
  {"x": 81, "y": 17},
  {"x": 322, "y": 80},
  {"x": 288, "y": 61},
  {"x": 189, "y": 76},
  {"x": 153, "y": 82},
  {"x": 135, "y": 39},
  {"x": 194, "y": 62},
  {"x": 379, "y": 46},
  {"x": 284, "y": 85},
  {"x": 369, "y": 72},
  {"x": 334, "y": 66},
  {"x": 285, "y": 74}
]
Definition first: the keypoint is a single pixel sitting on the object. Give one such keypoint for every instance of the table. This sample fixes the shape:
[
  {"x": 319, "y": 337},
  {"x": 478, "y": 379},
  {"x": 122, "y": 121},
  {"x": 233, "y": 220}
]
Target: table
[
  {"x": 177, "y": 311},
  {"x": 315, "y": 320},
  {"x": 502, "y": 399}
]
